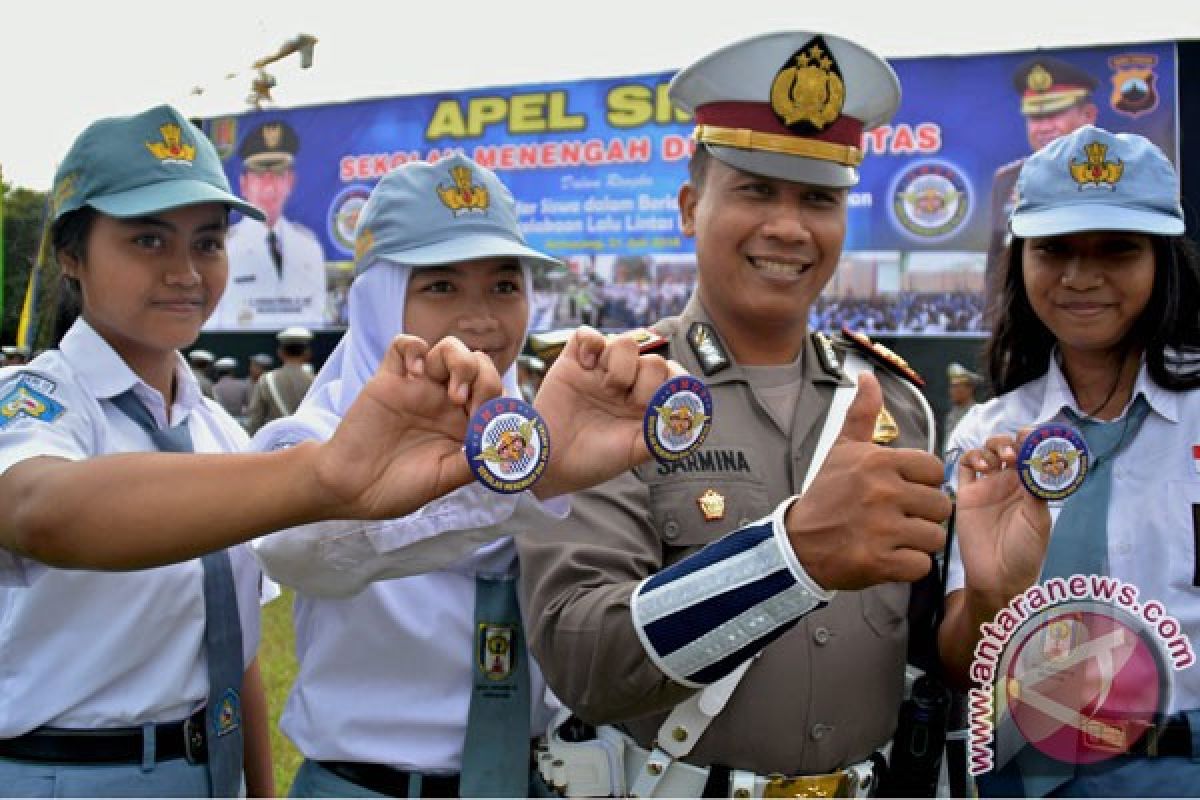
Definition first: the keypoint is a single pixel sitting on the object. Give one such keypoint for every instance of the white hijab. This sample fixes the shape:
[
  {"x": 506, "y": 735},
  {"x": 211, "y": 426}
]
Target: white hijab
[{"x": 414, "y": 543}]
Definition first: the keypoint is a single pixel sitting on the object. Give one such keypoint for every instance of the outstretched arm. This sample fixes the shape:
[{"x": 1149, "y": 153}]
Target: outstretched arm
[{"x": 398, "y": 447}]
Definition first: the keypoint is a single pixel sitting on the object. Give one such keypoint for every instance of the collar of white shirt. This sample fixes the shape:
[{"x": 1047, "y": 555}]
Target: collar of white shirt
[
  {"x": 1057, "y": 393},
  {"x": 105, "y": 374}
]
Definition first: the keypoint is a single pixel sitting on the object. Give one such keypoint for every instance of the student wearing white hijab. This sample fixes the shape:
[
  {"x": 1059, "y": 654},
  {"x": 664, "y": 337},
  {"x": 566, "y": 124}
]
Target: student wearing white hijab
[{"x": 383, "y": 702}]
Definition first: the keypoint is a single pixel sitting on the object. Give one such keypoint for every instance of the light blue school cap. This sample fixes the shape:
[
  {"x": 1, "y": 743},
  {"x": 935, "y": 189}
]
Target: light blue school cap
[
  {"x": 151, "y": 162},
  {"x": 1092, "y": 180},
  {"x": 422, "y": 214}
]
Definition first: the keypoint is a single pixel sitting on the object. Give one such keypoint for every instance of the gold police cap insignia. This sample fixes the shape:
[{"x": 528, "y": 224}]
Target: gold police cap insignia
[
  {"x": 712, "y": 505},
  {"x": 808, "y": 93}
]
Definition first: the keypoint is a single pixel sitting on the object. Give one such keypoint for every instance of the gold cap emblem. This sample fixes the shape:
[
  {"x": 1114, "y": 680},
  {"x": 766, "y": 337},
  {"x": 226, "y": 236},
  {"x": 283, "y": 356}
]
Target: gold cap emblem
[
  {"x": 272, "y": 135},
  {"x": 809, "y": 92},
  {"x": 1039, "y": 79},
  {"x": 712, "y": 505},
  {"x": 1096, "y": 172},
  {"x": 464, "y": 196},
  {"x": 172, "y": 149}
]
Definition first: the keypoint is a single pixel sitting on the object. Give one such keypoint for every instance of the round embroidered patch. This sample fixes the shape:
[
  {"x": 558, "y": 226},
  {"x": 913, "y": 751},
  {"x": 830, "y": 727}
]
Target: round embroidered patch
[
  {"x": 507, "y": 445},
  {"x": 1053, "y": 461},
  {"x": 678, "y": 419}
]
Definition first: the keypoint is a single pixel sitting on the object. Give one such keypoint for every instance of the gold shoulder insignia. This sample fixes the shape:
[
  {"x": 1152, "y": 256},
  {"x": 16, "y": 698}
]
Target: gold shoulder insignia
[
  {"x": 881, "y": 355},
  {"x": 548, "y": 345}
]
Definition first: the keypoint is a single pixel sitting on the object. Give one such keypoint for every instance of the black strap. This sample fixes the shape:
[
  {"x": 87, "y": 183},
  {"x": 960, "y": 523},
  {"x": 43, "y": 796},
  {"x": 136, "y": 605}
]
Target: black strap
[
  {"x": 183, "y": 739},
  {"x": 393, "y": 782}
]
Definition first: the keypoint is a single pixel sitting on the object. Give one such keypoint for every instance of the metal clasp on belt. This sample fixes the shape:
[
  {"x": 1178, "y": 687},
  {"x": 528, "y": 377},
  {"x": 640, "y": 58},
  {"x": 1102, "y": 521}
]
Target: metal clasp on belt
[
  {"x": 835, "y": 784},
  {"x": 194, "y": 744}
]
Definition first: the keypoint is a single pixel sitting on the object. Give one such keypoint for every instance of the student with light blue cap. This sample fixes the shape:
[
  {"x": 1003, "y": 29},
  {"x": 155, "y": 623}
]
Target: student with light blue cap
[
  {"x": 118, "y": 676},
  {"x": 421, "y": 685},
  {"x": 1099, "y": 327}
]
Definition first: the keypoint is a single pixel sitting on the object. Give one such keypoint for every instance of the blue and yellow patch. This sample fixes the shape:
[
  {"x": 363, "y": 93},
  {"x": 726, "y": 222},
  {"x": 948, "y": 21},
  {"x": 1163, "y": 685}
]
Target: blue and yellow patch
[
  {"x": 30, "y": 398},
  {"x": 229, "y": 713}
]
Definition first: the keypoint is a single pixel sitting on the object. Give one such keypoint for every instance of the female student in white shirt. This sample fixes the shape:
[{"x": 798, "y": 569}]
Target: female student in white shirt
[
  {"x": 1100, "y": 328},
  {"x": 117, "y": 683},
  {"x": 383, "y": 704}
]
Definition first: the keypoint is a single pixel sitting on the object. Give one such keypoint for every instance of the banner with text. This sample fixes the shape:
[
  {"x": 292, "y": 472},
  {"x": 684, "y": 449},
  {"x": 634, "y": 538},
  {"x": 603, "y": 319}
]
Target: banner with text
[{"x": 595, "y": 166}]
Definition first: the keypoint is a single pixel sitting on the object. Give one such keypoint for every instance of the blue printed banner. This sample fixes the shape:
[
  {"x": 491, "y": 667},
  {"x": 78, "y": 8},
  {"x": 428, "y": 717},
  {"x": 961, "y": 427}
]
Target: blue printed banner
[{"x": 596, "y": 166}]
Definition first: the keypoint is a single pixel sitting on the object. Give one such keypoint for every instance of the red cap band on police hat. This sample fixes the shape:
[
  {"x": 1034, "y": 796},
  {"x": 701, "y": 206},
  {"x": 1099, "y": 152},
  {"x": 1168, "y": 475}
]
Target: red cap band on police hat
[{"x": 760, "y": 117}]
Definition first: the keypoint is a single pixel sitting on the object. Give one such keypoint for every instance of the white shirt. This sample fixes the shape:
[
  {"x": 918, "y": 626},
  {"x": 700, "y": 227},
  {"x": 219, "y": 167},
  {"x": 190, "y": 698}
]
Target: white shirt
[
  {"x": 385, "y": 667},
  {"x": 1155, "y": 482},
  {"x": 258, "y": 297},
  {"x": 82, "y": 649}
]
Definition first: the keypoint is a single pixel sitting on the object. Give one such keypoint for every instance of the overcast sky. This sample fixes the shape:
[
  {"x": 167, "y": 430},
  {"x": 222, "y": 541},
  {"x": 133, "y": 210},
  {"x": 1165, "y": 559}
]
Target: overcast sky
[{"x": 63, "y": 64}]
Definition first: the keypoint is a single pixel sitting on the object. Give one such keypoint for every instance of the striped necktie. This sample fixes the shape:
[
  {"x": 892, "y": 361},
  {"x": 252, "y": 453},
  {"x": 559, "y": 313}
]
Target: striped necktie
[{"x": 222, "y": 627}]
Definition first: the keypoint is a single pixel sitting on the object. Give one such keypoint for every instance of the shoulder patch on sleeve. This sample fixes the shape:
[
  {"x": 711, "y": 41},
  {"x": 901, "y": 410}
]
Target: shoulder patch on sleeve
[
  {"x": 30, "y": 397},
  {"x": 880, "y": 355}
]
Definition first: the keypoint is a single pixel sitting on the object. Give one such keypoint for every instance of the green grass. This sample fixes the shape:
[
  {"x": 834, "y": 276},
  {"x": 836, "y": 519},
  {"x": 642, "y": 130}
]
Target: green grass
[{"x": 277, "y": 661}]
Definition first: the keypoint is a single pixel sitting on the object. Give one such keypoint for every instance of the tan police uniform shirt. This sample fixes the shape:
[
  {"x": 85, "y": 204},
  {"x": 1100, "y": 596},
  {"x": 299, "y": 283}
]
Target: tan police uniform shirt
[
  {"x": 823, "y": 695},
  {"x": 291, "y": 382}
]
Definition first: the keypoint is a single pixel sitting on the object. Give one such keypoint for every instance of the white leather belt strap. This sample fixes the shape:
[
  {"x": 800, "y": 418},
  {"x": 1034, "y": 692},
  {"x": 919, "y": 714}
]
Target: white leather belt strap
[
  {"x": 853, "y": 365},
  {"x": 684, "y": 726}
]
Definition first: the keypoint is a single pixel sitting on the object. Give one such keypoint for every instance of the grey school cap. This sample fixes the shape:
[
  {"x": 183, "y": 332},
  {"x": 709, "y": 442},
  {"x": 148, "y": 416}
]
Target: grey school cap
[
  {"x": 151, "y": 162},
  {"x": 423, "y": 214}
]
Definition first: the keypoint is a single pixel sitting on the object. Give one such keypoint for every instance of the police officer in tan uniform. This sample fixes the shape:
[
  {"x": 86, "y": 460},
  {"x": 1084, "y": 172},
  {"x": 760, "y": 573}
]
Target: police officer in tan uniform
[
  {"x": 668, "y": 579},
  {"x": 279, "y": 392}
]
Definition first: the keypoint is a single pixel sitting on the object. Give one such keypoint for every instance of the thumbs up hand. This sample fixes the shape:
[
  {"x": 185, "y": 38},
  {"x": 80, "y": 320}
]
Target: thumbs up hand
[{"x": 873, "y": 514}]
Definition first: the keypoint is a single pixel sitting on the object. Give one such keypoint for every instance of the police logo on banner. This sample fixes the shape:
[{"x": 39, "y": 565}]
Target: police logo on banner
[
  {"x": 30, "y": 398},
  {"x": 931, "y": 200},
  {"x": 1133, "y": 80},
  {"x": 343, "y": 216},
  {"x": 495, "y": 650}
]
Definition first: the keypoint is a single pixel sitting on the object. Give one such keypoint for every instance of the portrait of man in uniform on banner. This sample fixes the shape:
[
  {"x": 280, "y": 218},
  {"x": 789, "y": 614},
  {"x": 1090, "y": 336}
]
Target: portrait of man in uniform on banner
[{"x": 277, "y": 274}]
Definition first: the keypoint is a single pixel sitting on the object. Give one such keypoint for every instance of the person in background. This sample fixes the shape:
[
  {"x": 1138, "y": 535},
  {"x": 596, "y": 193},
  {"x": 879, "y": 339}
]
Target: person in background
[
  {"x": 1055, "y": 99},
  {"x": 961, "y": 385},
  {"x": 232, "y": 392},
  {"x": 202, "y": 361},
  {"x": 279, "y": 392},
  {"x": 276, "y": 266}
]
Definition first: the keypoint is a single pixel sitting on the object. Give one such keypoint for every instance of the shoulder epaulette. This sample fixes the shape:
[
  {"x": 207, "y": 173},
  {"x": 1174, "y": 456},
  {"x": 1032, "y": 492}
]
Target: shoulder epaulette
[
  {"x": 548, "y": 345},
  {"x": 880, "y": 355},
  {"x": 828, "y": 357}
]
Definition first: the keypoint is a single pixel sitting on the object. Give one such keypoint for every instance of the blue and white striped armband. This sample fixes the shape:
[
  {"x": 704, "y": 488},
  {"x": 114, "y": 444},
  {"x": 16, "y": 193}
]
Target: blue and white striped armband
[{"x": 704, "y": 615}]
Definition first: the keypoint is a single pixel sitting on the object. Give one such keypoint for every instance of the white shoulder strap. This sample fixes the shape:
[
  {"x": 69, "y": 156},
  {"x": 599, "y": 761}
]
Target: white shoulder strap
[
  {"x": 284, "y": 411},
  {"x": 688, "y": 721}
]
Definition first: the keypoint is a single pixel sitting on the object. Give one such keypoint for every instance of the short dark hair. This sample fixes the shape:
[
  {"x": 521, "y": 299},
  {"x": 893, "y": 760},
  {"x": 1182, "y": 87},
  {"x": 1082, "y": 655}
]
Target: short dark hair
[
  {"x": 698, "y": 166},
  {"x": 1168, "y": 329}
]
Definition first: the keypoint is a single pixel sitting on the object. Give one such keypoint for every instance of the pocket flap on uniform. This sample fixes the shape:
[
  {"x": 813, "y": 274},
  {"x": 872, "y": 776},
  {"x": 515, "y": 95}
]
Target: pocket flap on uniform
[{"x": 688, "y": 513}]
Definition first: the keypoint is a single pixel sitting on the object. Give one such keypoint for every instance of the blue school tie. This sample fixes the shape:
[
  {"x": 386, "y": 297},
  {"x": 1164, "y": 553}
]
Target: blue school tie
[
  {"x": 222, "y": 628},
  {"x": 496, "y": 748},
  {"x": 1078, "y": 545}
]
